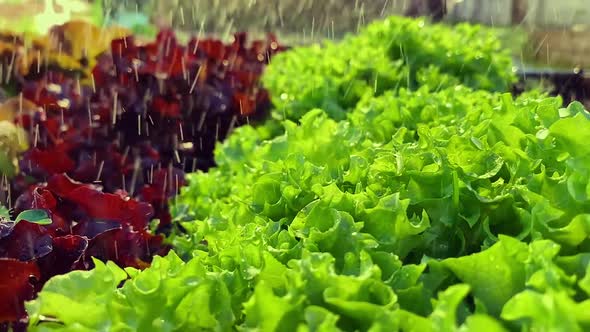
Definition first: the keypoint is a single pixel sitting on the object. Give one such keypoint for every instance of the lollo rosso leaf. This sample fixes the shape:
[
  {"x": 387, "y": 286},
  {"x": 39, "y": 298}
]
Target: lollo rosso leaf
[
  {"x": 63, "y": 224},
  {"x": 406, "y": 203},
  {"x": 17, "y": 282}
]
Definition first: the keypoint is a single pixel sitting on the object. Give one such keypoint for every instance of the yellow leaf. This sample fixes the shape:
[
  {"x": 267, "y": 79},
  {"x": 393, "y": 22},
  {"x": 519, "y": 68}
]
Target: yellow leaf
[
  {"x": 12, "y": 107},
  {"x": 81, "y": 39}
]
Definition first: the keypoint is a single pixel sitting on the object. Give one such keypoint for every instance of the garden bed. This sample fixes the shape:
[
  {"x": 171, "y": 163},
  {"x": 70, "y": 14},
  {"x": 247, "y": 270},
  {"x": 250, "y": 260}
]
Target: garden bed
[{"x": 352, "y": 185}]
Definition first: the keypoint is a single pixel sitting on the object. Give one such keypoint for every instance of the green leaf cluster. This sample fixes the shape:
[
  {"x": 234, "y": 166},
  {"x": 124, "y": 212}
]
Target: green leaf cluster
[
  {"x": 450, "y": 211},
  {"x": 408, "y": 209},
  {"x": 13, "y": 140},
  {"x": 385, "y": 56}
]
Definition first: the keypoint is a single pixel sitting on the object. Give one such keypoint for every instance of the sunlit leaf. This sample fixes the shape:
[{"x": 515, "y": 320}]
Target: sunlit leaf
[{"x": 37, "y": 216}]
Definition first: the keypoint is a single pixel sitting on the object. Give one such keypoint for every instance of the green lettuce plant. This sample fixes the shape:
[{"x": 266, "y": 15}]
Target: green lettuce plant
[
  {"x": 386, "y": 55},
  {"x": 397, "y": 194},
  {"x": 470, "y": 213},
  {"x": 13, "y": 140}
]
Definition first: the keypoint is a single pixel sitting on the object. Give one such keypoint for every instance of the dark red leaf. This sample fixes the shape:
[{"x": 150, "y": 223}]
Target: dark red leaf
[
  {"x": 16, "y": 287},
  {"x": 26, "y": 242},
  {"x": 98, "y": 205},
  {"x": 106, "y": 158},
  {"x": 50, "y": 162},
  {"x": 126, "y": 248},
  {"x": 68, "y": 254}
]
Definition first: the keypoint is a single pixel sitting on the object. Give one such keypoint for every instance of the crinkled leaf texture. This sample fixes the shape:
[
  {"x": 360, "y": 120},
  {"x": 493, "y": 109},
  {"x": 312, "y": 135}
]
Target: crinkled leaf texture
[
  {"x": 496, "y": 202},
  {"x": 169, "y": 296},
  {"x": 309, "y": 294},
  {"x": 59, "y": 227},
  {"x": 397, "y": 206},
  {"x": 394, "y": 53},
  {"x": 403, "y": 234}
]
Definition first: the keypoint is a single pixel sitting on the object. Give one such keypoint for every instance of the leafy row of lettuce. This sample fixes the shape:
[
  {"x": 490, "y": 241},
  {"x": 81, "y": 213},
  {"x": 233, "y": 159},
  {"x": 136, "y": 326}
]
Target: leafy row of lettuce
[
  {"x": 422, "y": 211},
  {"x": 386, "y": 56},
  {"x": 407, "y": 203},
  {"x": 310, "y": 295}
]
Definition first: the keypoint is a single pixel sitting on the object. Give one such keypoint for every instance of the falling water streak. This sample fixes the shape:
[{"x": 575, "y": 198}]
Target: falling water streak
[
  {"x": 304, "y": 36},
  {"x": 78, "y": 86},
  {"x": 99, "y": 172},
  {"x": 20, "y": 105},
  {"x": 89, "y": 113},
  {"x": 170, "y": 172},
  {"x": 123, "y": 183},
  {"x": 384, "y": 7},
  {"x": 193, "y": 14},
  {"x": 181, "y": 132},
  {"x": 361, "y": 19},
  {"x": 38, "y": 61},
  {"x": 167, "y": 46},
  {"x": 232, "y": 124},
  {"x": 8, "y": 188},
  {"x": 136, "y": 170},
  {"x": 30, "y": 244},
  {"x": 26, "y": 52},
  {"x": 135, "y": 72},
  {"x": 2, "y": 186},
  {"x": 541, "y": 44},
  {"x": 12, "y": 61},
  {"x": 196, "y": 79},
  {"x": 139, "y": 124},
  {"x": 125, "y": 154},
  {"x": 280, "y": 15},
  {"x": 164, "y": 186},
  {"x": 523, "y": 65},
  {"x": 151, "y": 175},
  {"x": 93, "y": 83},
  {"x": 312, "y": 27},
  {"x": 406, "y": 59},
  {"x": 217, "y": 131},
  {"x": 147, "y": 247},
  {"x": 375, "y": 85},
  {"x": 181, "y": 15},
  {"x": 114, "y": 120},
  {"x": 10, "y": 66},
  {"x": 199, "y": 36},
  {"x": 116, "y": 250},
  {"x": 194, "y": 165},
  {"x": 176, "y": 156},
  {"x": 177, "y": 189},
  {"x": 202, "y": 121},
  {"x": 36, "y": 135},
  {"x": 229, "y": 28},
  {"x": 46, "y": 62},
  {"x": 183, "y": 66},
  {"x": 332, "y": 26}
]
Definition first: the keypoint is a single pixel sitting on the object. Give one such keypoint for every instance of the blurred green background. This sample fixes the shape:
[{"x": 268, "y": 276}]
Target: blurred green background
[{"x": 540, "y": 32}]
